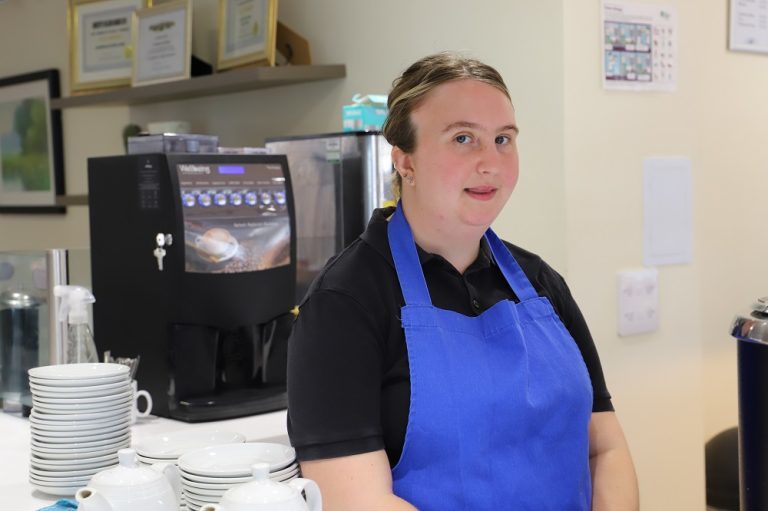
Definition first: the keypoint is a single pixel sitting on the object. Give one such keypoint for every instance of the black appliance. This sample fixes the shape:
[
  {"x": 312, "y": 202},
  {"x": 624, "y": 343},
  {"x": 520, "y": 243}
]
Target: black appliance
[{"x": 194, "y": 269}]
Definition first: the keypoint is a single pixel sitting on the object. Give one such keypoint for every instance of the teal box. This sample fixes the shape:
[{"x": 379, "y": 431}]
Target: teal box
[{"x": 368, "y": 113}]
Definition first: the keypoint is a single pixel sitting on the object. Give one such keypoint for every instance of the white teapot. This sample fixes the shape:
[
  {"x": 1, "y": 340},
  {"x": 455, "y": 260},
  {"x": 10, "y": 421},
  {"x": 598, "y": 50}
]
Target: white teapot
[
  {"x": 129, "y": 486},
  {"x": 263, "y": 494}
]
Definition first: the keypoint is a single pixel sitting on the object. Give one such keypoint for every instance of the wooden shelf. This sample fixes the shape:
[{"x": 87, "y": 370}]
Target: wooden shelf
[
  {"x": 72, "y": 200},
  {"x": 237, "y": 80}
]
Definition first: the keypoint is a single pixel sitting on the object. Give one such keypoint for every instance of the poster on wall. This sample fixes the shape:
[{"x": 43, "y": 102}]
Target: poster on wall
[
  {"x": 639, "y": 47},
  {"x": 748, "y": 28}
]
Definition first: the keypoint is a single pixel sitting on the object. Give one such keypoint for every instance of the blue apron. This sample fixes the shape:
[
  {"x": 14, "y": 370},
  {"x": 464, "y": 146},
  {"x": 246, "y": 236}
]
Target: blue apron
[{"x": 500, "y": 403}]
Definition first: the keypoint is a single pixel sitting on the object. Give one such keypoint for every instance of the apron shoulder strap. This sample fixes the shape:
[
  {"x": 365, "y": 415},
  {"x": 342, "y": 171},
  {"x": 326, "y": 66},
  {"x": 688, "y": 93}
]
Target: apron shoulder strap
[
  {"x": 406, "y": 259},
  {"x": 510, "y": 268}
]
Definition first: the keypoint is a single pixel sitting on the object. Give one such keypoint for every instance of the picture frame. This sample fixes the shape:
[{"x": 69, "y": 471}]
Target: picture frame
[
  {"x": 100, "y": 35},
  {"x": 162, "y": 43},
  {"x": 247, "y": 33},
  {"x": 31, "y": 149}
]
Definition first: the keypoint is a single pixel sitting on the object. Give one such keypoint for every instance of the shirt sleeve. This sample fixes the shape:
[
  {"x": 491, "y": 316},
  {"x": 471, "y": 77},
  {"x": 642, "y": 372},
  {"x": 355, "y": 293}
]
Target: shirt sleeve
[
  {"x": 334, "y": 378},
  {"x": 574, "y": 322}
]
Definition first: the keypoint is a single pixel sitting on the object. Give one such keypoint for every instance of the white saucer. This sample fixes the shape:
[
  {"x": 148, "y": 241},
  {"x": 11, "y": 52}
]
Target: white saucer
[
  {"x": 72, "y": 389},
  {"x": 103, "y": 429},
  {"x": 67, "y": 454},
  {"x": 94, "y": 400},
  {"x": 87, "y": 371},
  {"x": 82, "y": 393},
  {"x": 60, "y": 408},
  {"x": 83, "y": 437},
  {"x": 45, "y": 425},
  {"x": 82, "y": 382},
  {"x": 174, "y": 444},
  {"x": 197, "y": 504},
  {"x": 78, "y": 416},
  {"x": 58, "y": 475},
  {"x": 76, "y": 445},
  {"x": 78, "y": 458},
  {"x": 59, "y": 491},
  {"x": 213, "y": 483},
  {"x": 74, "y": 465},
  {"x": 236, "y": 459}
]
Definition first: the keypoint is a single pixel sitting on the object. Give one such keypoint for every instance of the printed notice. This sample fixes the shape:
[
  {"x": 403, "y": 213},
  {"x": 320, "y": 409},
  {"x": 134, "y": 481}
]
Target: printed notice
[
  {"x": 749, "y": 26},
  {"x": 639, "y": 47}
]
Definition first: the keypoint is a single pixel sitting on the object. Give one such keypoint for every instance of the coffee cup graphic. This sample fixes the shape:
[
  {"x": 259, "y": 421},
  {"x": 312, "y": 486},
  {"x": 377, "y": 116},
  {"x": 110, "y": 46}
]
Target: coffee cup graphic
[{"x": 216, "y": 244}]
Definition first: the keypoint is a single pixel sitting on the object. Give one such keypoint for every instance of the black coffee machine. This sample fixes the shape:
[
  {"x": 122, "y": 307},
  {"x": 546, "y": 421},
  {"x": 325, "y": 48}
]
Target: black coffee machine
[{"x": 194, "y": 270}]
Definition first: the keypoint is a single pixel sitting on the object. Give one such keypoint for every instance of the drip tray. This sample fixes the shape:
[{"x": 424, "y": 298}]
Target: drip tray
[{"x": 230, "y": 404}]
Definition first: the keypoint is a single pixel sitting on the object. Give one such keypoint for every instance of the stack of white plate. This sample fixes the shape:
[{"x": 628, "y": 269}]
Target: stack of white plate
[
  {"x": 167, "y": 448},
  {"x": 81, "y": 417},
  {"x": 207, "y": 473}
]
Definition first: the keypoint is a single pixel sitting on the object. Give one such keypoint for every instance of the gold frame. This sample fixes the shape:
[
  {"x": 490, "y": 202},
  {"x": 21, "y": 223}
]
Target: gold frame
[
  {"x": 142, "y": 16},
  {"x": 260, "y": 57},
  {"x": 77, "y": 83}
]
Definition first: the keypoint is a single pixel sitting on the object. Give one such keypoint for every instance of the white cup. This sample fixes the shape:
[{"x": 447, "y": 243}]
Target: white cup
[{"x": 135, "y": 413}]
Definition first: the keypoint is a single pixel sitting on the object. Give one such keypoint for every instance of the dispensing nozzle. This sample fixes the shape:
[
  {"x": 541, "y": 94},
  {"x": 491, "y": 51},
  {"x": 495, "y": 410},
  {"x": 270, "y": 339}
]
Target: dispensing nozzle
[{"x": 73, "y": 305}]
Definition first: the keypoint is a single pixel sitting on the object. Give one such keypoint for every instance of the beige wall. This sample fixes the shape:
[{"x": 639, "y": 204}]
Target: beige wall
[{"x": 579, "y": 201}]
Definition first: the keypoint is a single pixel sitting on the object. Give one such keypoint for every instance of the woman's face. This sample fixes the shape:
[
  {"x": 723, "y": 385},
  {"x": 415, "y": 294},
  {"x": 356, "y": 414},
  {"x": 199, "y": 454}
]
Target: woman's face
[{"x": 465, "y": 164}]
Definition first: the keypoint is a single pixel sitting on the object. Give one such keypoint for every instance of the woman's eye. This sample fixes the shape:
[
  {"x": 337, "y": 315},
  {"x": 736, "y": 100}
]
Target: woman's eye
[
  {"x": 502, "y": 140},
  {"x": 462, "y": 139}
]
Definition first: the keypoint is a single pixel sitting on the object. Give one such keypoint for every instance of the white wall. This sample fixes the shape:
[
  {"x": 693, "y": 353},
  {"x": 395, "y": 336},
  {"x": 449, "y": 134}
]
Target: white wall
[{"x": 674, "y": 388}]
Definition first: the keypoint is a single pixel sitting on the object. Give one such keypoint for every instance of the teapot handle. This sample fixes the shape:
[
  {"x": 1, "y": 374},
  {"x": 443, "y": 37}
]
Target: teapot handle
[{"x": 312, "y": 491}]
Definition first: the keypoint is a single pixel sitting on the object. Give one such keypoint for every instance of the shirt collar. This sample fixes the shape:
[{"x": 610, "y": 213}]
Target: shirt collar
[{"x": 376, "y": 236}]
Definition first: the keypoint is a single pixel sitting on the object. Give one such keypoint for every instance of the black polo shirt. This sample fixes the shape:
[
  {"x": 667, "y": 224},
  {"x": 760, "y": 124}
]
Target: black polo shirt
[{"x": 348, "y": 377}]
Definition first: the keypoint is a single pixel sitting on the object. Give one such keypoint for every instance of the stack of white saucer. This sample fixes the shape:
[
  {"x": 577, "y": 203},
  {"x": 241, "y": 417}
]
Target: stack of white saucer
[
  {"x": 207, "y": 473},
  {"x": 168, "y": 447},
  {"x": 81, "y": 417}
]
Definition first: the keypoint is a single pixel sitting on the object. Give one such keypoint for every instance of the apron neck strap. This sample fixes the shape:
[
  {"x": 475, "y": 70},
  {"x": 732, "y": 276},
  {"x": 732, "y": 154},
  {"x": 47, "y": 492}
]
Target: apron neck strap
[
  {"x": 411, "y": 277},
  {"x": 512, "y": 271},
  {"x": 406, "y": 260}
]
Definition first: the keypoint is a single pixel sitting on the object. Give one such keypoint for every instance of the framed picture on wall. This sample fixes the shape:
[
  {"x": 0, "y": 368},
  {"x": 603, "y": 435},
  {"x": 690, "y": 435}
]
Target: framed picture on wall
[
  {"x": 162, "y": 43},
  {"x": 100, "y": 42},
  {"x": 31, "y": 154},
  {"x": 247, "y": 32}
]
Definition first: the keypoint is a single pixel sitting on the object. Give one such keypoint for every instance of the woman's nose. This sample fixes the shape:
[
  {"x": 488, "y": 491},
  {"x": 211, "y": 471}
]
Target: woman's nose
[{"x": 489, "y": 159}]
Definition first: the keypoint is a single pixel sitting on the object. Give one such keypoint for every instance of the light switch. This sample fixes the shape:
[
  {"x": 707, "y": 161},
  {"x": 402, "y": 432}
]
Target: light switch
[{"x": 638, "y": 295}]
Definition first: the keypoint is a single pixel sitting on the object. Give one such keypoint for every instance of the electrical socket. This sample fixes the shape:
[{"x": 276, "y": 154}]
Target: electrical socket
[{"x": 638, "y": 296}]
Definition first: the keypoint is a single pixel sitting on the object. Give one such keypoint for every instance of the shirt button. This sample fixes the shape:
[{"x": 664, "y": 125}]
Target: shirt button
[{"x": 475, "y": 303}]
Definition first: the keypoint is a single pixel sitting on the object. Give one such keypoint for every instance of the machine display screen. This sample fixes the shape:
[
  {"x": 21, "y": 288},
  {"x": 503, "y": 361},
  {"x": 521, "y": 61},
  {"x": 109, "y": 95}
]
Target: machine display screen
[{"x": 235, "y": 217}]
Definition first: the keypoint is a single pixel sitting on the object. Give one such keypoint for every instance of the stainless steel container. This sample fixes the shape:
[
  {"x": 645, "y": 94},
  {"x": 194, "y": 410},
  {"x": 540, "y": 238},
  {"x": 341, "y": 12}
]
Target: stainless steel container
[
  {"x": 20, "y": 339},
  {"x": 751, "y": 330}
]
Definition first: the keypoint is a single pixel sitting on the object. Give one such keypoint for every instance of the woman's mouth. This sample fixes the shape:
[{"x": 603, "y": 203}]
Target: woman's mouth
[{"x": 481, "y": 192}]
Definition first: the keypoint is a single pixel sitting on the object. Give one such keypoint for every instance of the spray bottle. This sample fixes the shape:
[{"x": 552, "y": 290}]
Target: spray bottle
[{"x": 73, "y": 310}]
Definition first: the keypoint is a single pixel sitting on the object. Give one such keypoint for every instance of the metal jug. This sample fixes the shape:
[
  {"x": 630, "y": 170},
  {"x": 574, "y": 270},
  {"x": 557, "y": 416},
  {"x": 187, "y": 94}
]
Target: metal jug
[
  {"x": 751, "y": 330},
  {"x": 19, "y": 337}
]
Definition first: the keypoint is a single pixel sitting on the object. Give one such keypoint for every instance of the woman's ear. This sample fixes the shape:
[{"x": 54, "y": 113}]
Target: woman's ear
[{"x": 402, "y": 162}]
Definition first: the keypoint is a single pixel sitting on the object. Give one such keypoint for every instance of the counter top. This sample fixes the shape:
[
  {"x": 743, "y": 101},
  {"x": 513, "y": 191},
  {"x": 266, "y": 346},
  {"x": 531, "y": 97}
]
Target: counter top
[{"x": 19, "y": 495}]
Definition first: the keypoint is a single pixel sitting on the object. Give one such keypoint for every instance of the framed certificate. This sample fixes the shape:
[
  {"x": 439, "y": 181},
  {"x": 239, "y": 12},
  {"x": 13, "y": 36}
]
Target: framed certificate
[
  {"x": 247, "y": 32},
  {"x": 99, "y": 42},
  {"x": 162, "y": 43}
]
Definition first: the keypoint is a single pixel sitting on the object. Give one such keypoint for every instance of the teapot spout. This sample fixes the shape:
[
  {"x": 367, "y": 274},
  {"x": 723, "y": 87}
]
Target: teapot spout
[
  {"x": 172, "y": 475},
  {"x": 89, "y": 499}
]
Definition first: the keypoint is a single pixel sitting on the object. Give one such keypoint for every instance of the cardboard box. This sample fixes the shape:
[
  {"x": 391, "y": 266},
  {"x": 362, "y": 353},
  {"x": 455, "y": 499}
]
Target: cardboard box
[{"x": 367, "y": 113}]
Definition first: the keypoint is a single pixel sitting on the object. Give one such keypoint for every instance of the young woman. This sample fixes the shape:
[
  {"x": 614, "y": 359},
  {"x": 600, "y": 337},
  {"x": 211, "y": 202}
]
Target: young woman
[{"x": 433, "y": 366}]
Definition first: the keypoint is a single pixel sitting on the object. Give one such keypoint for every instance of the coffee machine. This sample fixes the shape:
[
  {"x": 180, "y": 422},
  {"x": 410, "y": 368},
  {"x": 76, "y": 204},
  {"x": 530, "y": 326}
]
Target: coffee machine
[
  {"x": 193, "y": 270},
  {"x": 338, "y": 180}
]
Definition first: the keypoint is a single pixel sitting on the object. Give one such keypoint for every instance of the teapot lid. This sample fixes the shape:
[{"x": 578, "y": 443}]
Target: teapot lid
[
  {"x": 262, "y": 490},
  {"x": 753, "y": 327},
  {"x": 127, "y": 474}
]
